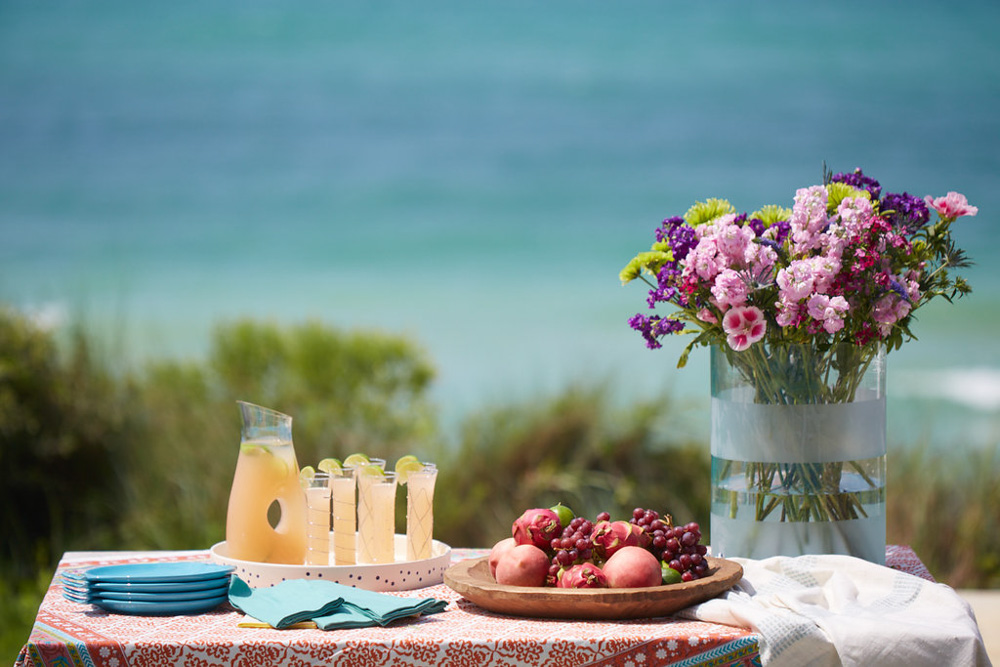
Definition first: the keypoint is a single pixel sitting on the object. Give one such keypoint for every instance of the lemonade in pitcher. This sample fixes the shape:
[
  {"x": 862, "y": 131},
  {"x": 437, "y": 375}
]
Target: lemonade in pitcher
[{"x": 266, "y": 472}]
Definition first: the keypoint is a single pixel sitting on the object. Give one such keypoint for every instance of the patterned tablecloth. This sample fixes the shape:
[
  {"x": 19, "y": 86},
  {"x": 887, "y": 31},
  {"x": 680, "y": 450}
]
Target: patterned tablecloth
[{"x": 66, "y": 633}]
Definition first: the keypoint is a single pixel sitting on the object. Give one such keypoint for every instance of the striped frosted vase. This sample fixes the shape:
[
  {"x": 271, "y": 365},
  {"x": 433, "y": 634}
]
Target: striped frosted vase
[{"x": 798, "y": 451}]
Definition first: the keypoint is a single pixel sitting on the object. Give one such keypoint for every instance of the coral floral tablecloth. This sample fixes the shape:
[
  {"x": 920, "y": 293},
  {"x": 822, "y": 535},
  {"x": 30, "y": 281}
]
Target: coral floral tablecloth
[{"x": 66, "y": 633}]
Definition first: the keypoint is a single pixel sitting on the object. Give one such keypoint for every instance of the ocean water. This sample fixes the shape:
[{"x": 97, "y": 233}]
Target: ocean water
[{"x": 474, "y": 175}]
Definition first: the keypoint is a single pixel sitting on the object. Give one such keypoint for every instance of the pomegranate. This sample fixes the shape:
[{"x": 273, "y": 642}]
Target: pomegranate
[
  {"x": 523, "y": 565},
  {"x": 538, "y": 527},
  {"x": 498, "y": 550},
  {"x": 633, "y": 567},
  {"x": 584, "y": 575}
]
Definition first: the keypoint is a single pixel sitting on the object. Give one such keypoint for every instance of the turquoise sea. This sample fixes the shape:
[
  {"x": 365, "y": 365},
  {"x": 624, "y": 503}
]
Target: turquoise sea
[{"x": 474, "y": 174}]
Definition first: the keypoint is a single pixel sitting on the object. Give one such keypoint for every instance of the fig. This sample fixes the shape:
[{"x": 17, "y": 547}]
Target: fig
[
  {"x": 537, "y": 526},
  {"x": 610, "y": 536},
  {"x": 498, "y": 550},
  {"x": 522, "y": 565},
  {"x": 583, "y": 575},
  {"x": 633, "y": 567}
]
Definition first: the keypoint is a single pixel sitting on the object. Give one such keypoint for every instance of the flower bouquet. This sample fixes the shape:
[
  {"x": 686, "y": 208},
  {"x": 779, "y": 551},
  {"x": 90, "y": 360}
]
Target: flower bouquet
[{"x": 800, "y": 306}]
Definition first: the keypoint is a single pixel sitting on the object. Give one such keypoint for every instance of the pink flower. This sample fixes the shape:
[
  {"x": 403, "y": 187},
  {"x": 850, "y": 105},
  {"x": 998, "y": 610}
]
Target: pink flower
[
  {"x": 855, "y": 214},
  {"x": 951, "y": 206},
  {"x": 828, "y": 311},
  {"x": 789, "y": 314},
  {"x": 729, "y": 289},
  {"x": 706, "y": 315},
  {"x": 732, "y": 240},
  {"x": 808, "y": 217},
  {"x": 796, "y": 280},
  {"x": 744, "y": 326}
]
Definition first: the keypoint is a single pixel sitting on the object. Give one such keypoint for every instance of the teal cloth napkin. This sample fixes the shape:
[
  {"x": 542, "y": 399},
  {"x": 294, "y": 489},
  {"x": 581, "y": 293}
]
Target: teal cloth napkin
[
  {"x": 376, "y": 608},
  {"x": 331, "y": 606},
  {"x": 289, "y": 602}
]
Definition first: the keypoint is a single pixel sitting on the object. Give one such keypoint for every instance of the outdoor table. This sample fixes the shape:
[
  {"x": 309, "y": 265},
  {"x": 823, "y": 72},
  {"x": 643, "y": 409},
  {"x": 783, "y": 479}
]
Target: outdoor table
[{"x": 67, "y": 633}]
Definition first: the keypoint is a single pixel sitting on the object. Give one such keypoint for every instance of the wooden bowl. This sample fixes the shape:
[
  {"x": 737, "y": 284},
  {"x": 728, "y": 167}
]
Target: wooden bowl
[{"x": 472, "y": 579}]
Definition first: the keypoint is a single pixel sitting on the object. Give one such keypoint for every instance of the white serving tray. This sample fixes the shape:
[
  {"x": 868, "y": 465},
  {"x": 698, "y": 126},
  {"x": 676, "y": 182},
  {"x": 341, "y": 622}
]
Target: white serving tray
[{"x": 403, "y": 575}]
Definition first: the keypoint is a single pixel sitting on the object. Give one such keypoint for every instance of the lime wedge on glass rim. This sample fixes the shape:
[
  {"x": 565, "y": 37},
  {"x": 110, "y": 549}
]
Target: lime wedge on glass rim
[
  {"x": 330, "y": 465},
  {"x": 357, "y": 460},
  {"x": 371, "y": 471},
  {"x": 306, "y": 475},
  {"x": 405, "y": 465}
]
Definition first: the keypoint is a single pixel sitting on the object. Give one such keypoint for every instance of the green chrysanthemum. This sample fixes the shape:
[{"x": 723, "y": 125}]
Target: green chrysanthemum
[
  {"x": 838, "y": 192},
  {"x": 771, "y": 214},
  {"x": 650, "y": 262},
  {"x": 707, "y": 211}
]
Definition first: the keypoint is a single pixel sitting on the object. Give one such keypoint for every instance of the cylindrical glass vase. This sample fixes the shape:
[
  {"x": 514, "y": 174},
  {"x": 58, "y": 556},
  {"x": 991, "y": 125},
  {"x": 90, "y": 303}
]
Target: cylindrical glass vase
[{"x": 798, "y": 451}]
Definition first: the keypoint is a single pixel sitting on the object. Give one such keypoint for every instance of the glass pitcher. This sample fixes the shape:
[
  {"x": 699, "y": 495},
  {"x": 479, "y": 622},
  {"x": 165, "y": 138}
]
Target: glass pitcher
[{"x": 266, "y": 472}]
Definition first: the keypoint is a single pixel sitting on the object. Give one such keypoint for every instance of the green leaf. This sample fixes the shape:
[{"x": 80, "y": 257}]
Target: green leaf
[{"x": 699, "y": 340}]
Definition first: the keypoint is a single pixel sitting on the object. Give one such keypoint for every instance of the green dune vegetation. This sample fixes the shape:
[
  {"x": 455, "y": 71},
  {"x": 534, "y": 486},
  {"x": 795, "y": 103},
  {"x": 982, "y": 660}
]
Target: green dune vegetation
[{"x": 94, "y": 456}]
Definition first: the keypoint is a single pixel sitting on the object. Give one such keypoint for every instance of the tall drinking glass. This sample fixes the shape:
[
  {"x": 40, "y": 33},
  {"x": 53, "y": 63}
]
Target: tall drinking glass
[
  {"x": 343, "y": 489},
  {"x": 317, "y": 489},
  {"x": 376, "y": 515},
  {"x": 420, "y": 512}
]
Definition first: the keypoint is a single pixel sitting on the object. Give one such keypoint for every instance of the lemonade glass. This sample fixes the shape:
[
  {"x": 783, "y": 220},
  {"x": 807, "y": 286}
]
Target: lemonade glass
[
  {"x": 376, "y": 515},
  {"x": 317, "y": 490},
  {"x": 420, "y": 511},
  {"x": 343, "y": 487}
]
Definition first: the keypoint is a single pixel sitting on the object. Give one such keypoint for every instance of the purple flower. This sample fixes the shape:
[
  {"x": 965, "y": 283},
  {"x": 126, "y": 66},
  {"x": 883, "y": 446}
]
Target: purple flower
[
  {"x": 757, "y": 225},
  {"x": 655, "y": 327},
  {"x": 664, "y": 231},
  {"x": 782, "y": 228},
  {"x": 905, "y": 212},
  {"x": 680, "y": 237},
  {"x": 897, "y": 287},
  {"x": 857, "y": 179}
]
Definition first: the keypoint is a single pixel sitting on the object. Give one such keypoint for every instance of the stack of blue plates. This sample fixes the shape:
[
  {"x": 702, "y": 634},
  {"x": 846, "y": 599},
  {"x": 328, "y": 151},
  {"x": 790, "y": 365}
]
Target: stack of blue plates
[{"x": 150, "y": 588}]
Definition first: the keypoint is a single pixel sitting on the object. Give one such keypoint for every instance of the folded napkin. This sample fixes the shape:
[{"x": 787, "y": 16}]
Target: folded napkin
[
  {"x": 329, "y": 605},
  {"x": 289, "y": 602},
  {"x": 833, "y": 610},
  {"x": 363, "y": 608}
]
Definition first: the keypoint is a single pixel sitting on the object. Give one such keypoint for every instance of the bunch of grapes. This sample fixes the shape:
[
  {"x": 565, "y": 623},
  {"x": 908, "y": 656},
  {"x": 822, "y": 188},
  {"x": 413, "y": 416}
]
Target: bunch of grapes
[
  {"x": 677, "y": 546},
  {"x": 573, "y": 546}
]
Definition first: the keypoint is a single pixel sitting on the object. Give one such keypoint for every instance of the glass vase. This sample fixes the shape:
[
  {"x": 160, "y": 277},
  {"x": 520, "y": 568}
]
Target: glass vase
[{"x": 798, "y": 451}]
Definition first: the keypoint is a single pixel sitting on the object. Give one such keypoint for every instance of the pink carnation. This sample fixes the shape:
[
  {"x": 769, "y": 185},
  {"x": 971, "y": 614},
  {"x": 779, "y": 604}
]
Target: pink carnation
[
  {"x": 951, "y": 206},
  {"x": 744, "y": 326}
]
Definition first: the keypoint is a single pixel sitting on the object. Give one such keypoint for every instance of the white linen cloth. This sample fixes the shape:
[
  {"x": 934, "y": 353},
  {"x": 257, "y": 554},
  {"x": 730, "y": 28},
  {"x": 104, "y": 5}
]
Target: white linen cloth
[{"x": 839, "y": 610}]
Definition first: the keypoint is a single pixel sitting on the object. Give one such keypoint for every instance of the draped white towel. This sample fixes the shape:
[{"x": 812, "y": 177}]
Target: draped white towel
[{"x": 839, "y": 610}]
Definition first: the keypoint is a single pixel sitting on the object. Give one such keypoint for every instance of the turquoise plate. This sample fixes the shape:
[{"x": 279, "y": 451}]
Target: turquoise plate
[
  {"x": 174, "y": 608},
  {"x": 131, "y": 596},
  {"x": 153, "y": 573}
]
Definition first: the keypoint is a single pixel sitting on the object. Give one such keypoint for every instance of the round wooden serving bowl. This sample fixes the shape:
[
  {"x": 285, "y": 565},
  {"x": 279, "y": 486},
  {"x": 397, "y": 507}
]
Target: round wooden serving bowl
[{"x": 472, "y": 579}]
